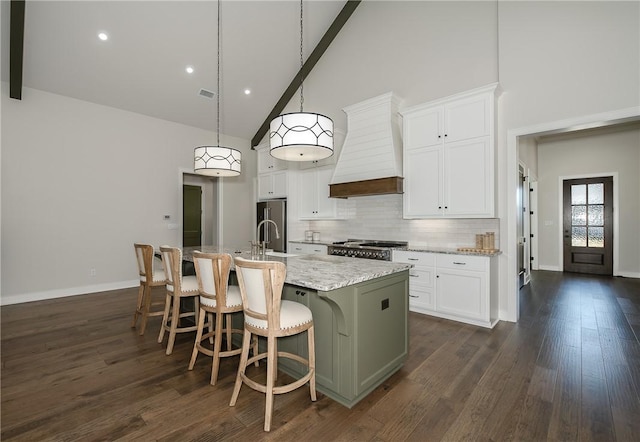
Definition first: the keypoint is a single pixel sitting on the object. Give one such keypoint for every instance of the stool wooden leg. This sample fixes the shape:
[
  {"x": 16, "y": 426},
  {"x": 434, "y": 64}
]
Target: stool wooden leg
[
  {"x": 244, "y": 356},
  {"x": 138, "y": 306},
  {"x": 165, "y": 317},
  {"x": 146, "y": 308},
  {"x": 197, "y": 343},
  {"x": 229, "y": 327},
  {"x": 311, "y": 344},
  {"x": 217, "y": 344},
  {"x": 175, "y": 319},
  {"x": 271, "y": 376}
]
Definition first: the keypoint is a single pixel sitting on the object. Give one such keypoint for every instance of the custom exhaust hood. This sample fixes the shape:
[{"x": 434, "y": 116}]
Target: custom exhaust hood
[{"x": 370, "y": 162}]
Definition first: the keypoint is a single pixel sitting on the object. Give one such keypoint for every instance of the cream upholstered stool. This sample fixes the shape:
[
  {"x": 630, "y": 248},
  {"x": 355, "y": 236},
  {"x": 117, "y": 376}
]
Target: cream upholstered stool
[
  {"x": 178, "y": 287},
  {"x": 151, "y": 275},
  {"x": 221, "y": 299},
  {"x": 266, "y": 314}
]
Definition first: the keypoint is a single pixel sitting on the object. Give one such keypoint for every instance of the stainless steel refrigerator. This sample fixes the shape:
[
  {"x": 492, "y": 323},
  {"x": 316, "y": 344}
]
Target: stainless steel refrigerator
[{"x": 276, "y": 211}]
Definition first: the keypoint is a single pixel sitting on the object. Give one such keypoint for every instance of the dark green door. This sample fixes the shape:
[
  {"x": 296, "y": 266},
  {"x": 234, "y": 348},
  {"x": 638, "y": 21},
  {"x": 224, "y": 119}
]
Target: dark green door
[{"x": 191, "y": 215}]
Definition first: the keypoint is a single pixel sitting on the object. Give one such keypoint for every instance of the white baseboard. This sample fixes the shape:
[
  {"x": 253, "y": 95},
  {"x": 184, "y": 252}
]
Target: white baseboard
[
  {"x": 628, "y": 274},
  {"x": 61, "y": 293},
  {"x": 550, "y": 268}
]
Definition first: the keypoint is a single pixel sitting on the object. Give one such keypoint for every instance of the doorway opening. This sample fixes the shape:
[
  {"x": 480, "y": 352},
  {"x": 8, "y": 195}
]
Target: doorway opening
[
  {"x": 588, "y": 225},
  {"x": 191, "y": 216}
]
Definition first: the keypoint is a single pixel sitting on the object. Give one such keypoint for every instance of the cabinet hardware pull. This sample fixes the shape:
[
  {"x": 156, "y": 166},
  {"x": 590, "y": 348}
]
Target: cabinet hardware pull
[
  {"x": 414, "y": 296},
  {"x": 413, "y": 259},
  {"x": 414, "y": 276},
  {"x": 460, "y": 263}
]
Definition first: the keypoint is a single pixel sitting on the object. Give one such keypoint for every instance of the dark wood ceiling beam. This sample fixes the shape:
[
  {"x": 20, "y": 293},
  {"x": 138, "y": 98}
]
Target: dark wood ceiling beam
[
  {"x": 308, "y": 65},
  {"x": 16, "y": 48}
]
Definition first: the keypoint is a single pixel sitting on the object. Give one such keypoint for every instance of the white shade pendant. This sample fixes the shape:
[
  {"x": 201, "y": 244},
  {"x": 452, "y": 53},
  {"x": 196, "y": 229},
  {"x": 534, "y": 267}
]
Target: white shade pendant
[
  {"x": 217, "y": 161},
  {"x": 301, "y": 136}
]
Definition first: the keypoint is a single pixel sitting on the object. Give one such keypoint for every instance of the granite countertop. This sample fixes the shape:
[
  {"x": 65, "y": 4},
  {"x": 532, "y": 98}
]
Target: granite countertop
[
  {"x": 452, "y": 251},
  {"x": 317, "y": 272},
  {"x": 428, "y": 249}
]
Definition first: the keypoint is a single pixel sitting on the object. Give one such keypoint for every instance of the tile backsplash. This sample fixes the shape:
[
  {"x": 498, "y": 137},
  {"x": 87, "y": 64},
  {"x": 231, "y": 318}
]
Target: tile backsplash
[{"x": 380, "y": 217}]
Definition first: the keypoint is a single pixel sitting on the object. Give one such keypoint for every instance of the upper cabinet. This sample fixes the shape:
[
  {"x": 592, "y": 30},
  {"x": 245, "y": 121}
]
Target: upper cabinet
[
  {"x": 313, "y": 191},
  {"x": 448, "y": 157},
  {"x": 267, "y": 163},
  {"x": 272, "y": 175}
]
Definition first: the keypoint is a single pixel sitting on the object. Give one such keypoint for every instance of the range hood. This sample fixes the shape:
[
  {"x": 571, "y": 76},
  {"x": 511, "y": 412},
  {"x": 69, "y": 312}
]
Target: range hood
[{"x": 370, "y": 161}]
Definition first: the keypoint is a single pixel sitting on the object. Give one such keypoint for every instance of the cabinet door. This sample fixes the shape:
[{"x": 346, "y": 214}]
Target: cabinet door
[
  {"x": 461, "y": 293},
  {"x": 423, "y": 180},
  {"x": 279, "y": 180},
  {"x": 326, "y": 207},
  {"x": 423, "y": 128},
  {"x": 267, "y": 163},
  {"x": 307, "y": 195},
  {"x": 467, "y": 118},
  {"x": 467, "y": 174},
  {"x": 265, "y": 186}
]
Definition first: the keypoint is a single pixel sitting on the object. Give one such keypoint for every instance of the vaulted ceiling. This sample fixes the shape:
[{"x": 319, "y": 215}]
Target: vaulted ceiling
[{"x": 141, "y": 67}]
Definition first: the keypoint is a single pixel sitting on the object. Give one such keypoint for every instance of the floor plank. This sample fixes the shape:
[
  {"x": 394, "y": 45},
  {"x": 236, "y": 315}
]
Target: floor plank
[{"x": 569, "y": 370}]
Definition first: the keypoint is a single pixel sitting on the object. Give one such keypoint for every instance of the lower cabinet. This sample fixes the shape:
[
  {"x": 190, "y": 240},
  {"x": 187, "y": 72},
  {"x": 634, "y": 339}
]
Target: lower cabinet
[
  {"x": 361, "y": 336},
  {"x": 307, "y": 248},
  {"x": 458, "y": 287}
]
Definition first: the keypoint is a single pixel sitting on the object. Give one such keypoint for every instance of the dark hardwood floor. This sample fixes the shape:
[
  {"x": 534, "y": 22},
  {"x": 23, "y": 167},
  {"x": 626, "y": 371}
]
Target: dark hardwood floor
[{"x": 72, "y": 369}]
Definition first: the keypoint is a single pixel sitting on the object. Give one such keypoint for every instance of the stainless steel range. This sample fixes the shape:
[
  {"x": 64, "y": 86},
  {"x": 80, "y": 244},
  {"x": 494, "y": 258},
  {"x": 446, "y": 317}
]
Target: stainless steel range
[{"x": 370, "y": 249}]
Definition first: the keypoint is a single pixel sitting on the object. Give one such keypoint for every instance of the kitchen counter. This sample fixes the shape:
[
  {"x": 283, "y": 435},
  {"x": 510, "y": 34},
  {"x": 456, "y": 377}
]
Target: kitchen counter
[
  {"x": 360, "y": 310},
  {"x": 317, "y": 272},
  {"x": 451, "y": 251}
]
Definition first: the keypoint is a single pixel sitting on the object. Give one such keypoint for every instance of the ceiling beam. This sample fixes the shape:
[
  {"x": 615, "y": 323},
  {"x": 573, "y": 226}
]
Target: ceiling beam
[
  {"x": 308, "y": 65},
  {"x": 16, "y": 48}
]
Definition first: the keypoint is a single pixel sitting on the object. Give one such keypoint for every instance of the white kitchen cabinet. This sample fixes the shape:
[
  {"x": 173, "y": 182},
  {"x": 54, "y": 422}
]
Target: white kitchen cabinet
[
  {"x": 313, "y": 194},
  {"x": 272, "y": 175},
  {"x": 267, "y": 163},
  {"x": 451, "y": 286},
  {"x": 449, "y": 157},
  {"x": 272, "y": 185},
  {"x": 421, "y": 279},
  {"x": 307, "y": 248}
]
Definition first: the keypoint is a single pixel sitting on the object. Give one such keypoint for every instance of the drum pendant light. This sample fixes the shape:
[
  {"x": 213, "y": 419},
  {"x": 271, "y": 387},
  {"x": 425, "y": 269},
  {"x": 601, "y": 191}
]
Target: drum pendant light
[
  {"x": 301, "y": 136},
  {"x": 217, "y": 161}
]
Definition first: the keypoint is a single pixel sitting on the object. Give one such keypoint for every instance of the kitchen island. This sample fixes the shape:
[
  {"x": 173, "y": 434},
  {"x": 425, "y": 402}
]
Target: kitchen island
[{"x": 360, "y": 312}]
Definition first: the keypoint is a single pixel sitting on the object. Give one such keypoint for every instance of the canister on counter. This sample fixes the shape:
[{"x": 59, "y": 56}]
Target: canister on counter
[
  {"x": 479, "y": 241},
  {"x": 316, "y": 236},
  {"x": 308, "y": 235}
]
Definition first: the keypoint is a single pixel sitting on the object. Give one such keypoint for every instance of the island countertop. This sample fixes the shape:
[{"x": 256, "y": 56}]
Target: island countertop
[{"x": 317, "y": 272}]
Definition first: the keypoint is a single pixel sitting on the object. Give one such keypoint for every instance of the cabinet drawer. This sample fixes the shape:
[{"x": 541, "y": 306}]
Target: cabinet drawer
[
  {"x": 462, "y": 262},
  {"x": 422, "y": 299},
  {"x": 421, "y": 277},
  {"x": 415, "y": 258}
]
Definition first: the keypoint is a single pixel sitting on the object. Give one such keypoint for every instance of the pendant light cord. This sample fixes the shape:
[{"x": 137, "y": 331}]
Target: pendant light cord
[
  {"x": 218, "y": 86},
  {"x": 301, "y": 62}
]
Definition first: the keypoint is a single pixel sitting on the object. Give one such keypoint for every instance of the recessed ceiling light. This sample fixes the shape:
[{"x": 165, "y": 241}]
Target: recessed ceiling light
[
  {"x": 189, "y": 69},
  {"x": 247, "y": 91},
  {"x": 103, "y": 36}
]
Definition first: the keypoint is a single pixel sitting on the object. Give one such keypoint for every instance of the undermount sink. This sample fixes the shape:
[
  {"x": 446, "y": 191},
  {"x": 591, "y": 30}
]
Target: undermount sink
[{"x": 280, "y": 254}]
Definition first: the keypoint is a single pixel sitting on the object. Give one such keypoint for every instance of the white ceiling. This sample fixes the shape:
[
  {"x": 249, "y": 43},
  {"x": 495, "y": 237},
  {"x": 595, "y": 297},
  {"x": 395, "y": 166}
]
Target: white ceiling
[{"x": 141, "y": 68}]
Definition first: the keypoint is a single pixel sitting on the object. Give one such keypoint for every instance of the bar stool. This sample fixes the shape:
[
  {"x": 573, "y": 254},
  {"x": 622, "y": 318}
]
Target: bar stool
[
  {"x": 216, "y": 296},
  {"x": 178, "y": 287},
  {"x": 151, "y": 275},
  {"x": 267, "y": 315}
]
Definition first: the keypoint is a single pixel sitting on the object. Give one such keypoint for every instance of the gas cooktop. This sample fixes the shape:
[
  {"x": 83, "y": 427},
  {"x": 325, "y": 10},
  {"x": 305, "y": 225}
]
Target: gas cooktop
[{"x": 366, "y": 248}]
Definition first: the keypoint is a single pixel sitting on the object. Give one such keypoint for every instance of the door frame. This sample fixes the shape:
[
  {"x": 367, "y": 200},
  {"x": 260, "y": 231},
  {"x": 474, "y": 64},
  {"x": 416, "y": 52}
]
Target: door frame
[
  {"x": 219, "y": 192},
  {"x": 509, "y": 293},
  {"x": 616, "y": 225}
]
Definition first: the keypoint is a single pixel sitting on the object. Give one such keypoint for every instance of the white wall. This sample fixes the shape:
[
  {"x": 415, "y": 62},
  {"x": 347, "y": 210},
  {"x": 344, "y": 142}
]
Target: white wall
[
  {"x": 82, "y": 182},
  {"x": 606, "y": 153}
]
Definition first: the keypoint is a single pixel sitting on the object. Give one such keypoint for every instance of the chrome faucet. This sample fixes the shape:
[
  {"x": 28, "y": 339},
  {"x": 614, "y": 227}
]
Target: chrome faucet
[{"x": 264, "y": 243}]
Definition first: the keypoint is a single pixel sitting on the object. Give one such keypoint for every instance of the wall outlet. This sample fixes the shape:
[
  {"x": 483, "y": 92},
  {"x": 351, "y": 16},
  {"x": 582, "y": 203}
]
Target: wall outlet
[{"x": 92, "y": 272}]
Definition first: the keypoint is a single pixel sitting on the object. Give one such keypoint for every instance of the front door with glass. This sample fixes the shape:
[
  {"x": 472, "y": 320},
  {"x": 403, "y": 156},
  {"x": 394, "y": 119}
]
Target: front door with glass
[{"x": 588, "y": 225}]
